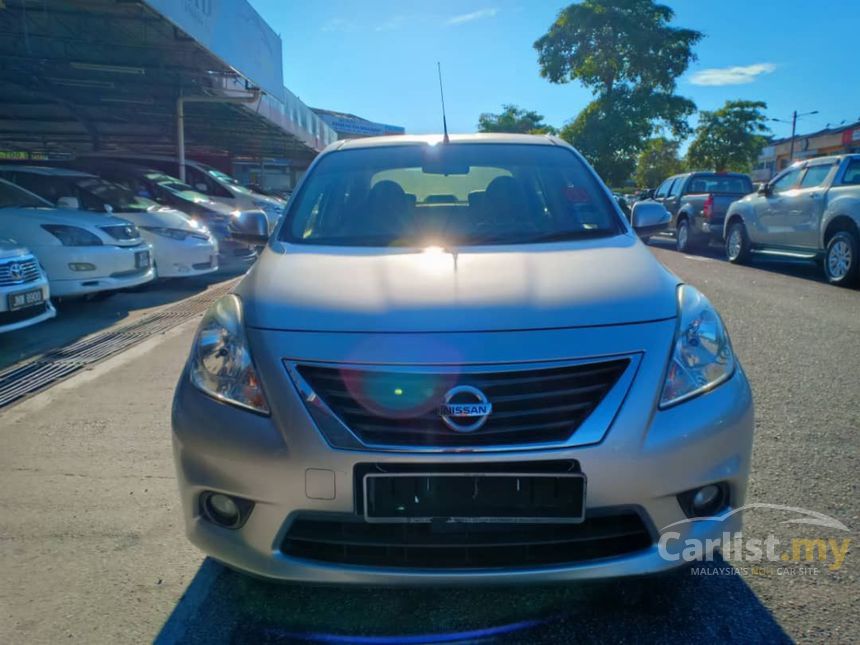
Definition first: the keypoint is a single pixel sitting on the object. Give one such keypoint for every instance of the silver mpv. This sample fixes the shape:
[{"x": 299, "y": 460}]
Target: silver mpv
[{"x": 455, "y": 362}]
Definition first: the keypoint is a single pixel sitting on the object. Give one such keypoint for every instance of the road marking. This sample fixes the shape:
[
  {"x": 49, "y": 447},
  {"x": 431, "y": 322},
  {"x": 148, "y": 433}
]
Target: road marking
[{"x": 698, "y": 258}]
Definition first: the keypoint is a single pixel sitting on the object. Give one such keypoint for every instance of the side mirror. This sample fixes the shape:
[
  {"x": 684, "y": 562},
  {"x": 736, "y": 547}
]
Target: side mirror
[
  {"x": 200, "y": 187},
  {"x": 71, "y": 203},
  {"x": 763, "y": 189},
  {"x": 649, "y": 218},
  {"x": 251, "y": 227}
]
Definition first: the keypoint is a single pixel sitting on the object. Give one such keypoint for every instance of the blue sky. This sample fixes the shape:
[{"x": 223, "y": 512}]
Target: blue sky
[{"x": 377, "y": 58}]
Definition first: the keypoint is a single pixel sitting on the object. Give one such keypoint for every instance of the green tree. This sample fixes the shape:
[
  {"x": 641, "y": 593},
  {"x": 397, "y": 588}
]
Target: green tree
[
  {"x": 629, "y": 55},
  {"x": 729, "y": 138},
  {"x": 514, "y": 119},
  {"x": 659, "y": 159}
]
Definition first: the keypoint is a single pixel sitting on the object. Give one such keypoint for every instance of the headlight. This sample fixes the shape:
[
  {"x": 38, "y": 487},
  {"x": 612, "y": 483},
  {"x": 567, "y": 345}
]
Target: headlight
[
  {"x": 221, "y": 364},
  {"x": 172, "y": 233},
  {"x": 72, "y": 235},
  {"x": 702, "y": 356}
]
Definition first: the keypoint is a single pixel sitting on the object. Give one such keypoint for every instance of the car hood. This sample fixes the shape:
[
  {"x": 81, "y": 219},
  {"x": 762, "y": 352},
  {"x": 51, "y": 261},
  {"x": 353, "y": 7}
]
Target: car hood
[
  {"x": 64, "y": 216},
  {"x": 11, "y": 249},
  {"x": 572, "y": 284},
  {"x": 158, "y": 217}
]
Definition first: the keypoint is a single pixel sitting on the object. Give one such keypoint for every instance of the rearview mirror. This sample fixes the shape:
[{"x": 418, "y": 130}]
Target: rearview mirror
[
  {"x": 201, "y": 187},
  {"x": 71, "y": 203},
  {"x": 251, "y": 227},
  {"x": 649, "y": 218}
]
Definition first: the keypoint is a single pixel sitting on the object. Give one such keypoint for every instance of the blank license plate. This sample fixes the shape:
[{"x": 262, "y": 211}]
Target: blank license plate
[
  {"x": 24, "y": 299},
  {"x": 141, "y": 259},
  {"x": 474, "y": 497}
]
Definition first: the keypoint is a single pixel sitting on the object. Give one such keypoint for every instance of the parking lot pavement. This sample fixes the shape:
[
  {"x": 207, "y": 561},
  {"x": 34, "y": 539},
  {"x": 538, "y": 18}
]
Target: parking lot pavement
[
  {"x": 91, "y": 543},
  {"x": 77, "y": 318}
]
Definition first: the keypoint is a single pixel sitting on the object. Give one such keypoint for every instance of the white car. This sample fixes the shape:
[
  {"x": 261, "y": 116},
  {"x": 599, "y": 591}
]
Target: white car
[
  {"x": 24, "y": 291},
  {"x": 82, "y": 253},
  {"x": 215, "y": 184},
  {"x": 181, "y": 246}
]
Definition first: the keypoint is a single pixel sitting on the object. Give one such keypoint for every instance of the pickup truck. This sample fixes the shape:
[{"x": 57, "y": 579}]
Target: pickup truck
[
  {"x": 810, "y": 210},
  {"x": 697, "y": 202}
]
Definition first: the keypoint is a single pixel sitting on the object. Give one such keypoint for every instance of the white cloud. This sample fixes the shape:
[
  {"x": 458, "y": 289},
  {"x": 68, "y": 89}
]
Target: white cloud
[
  {"x": 731, "y": 75},
  {"x": 475, "y": 15}
]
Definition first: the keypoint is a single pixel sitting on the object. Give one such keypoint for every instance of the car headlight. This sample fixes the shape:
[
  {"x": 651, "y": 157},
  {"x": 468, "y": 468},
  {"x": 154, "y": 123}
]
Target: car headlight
[
  {"x": 220, "y": 363},
  {"x": 73, "y": 235},
  {"x": 702, "y": 356}
]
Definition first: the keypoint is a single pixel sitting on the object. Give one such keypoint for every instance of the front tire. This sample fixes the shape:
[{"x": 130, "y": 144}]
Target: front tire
[
  {"x": 737, "y": 244},
  {"x": 841, "y": 261}
]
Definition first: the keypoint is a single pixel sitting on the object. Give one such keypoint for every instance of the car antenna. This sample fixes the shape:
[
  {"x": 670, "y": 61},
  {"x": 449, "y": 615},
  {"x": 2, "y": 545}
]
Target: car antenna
[{"x": 445, "y": 139}]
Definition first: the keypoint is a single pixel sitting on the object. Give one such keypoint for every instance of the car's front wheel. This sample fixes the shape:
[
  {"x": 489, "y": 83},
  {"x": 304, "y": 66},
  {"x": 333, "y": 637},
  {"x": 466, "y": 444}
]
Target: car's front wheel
[
  {"x": 737, "y": 244},
  {"x": 841, "y": 261}
]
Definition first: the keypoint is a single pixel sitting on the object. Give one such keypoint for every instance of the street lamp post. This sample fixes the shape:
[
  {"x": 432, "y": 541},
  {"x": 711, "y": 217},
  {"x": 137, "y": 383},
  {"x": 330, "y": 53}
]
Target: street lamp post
[{"x": 793, "y": 130}]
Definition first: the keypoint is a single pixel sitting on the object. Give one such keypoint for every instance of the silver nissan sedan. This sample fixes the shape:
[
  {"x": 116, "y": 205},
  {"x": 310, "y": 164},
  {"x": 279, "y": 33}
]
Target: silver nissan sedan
[{"x": 456, "y": 362}]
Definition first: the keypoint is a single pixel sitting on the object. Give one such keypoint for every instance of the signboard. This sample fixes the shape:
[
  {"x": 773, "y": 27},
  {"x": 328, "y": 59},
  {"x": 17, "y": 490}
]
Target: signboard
[
  {"x": 850, "y": 137},
  {"x": 235, "y": 33},
  {"x": 360, "y": 127}
]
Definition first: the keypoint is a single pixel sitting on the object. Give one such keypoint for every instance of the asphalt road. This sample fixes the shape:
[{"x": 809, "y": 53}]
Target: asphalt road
[{"x": 92, "y": 550}]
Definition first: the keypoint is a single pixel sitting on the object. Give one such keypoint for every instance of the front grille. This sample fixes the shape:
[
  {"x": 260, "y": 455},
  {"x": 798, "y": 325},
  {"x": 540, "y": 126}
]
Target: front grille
[
  {"x": 351, "y": 540},
  {"x": 20, "y": 315},
  {"x": 529, "y": 406},
  {"x": 122, "y": 232},
  {"x": 19, "y": 271}
]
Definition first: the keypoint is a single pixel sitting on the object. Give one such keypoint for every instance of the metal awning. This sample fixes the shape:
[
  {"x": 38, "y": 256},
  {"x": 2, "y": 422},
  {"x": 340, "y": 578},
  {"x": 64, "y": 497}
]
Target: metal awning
[{"x": 85, "y": 75}]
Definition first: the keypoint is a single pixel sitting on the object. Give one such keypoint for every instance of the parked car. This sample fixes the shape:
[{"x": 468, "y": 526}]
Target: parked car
[
  {"x": 810, "y": 210},
  {"x": 181, "y": 247},
  {"x": 439, "y": 345},
  {"x": 82, "y": 253},
  {"x": 698, "y": 202},
  {"x": 25, "y": 297},
  {"x": 217, "y": 185},
  {"x": 157, "y": 186}
]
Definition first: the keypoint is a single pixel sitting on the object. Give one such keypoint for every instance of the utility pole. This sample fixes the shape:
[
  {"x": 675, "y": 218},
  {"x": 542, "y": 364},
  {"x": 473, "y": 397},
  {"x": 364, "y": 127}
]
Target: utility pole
[{"x": 794, "y": 118}]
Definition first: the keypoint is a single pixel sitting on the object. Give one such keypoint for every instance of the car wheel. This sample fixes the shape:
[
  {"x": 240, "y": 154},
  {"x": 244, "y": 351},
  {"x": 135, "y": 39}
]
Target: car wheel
[
  {"x": 683, "y": 242},
  {"x": 841, "y": 261},
  {"x": 737, "y": 244}
]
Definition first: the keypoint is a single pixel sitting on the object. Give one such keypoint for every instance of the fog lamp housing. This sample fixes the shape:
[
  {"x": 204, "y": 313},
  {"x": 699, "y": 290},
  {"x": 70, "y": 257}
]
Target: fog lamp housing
[
  {"x": 225, "y": 510},
  {"x": 82, "y": 266},
  {"x": 704, "y": 501}
]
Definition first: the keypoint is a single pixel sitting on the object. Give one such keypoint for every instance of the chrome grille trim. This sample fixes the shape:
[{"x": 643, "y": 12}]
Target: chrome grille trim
[
  {"x": 591, "y": 430},
  {"x": 29, "y": 270}
]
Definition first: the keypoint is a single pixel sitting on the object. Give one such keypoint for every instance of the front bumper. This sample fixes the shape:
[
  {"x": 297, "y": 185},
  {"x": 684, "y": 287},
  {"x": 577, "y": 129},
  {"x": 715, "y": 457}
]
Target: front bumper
[
  {"x": 12, "y": 320},
  {"x": 646, "y": 458},
  {"x": 115, "y": 268},
  {"x": 182, "y": 258}
]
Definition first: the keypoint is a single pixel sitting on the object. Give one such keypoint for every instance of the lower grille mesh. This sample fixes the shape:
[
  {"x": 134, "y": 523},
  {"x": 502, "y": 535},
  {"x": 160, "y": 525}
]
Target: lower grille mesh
[{"x": 350, "y": 540}]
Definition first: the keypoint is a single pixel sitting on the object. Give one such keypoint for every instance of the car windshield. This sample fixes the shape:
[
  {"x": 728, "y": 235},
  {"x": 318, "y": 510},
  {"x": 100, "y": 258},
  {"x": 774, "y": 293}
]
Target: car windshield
[
  {"x": 720, "y": 184},
  {"x": 96, "y": 193},
  {"x": 450, "y": 194},
  {"x": 12, "y": 196},
  {"x": 177, "y": 187}
]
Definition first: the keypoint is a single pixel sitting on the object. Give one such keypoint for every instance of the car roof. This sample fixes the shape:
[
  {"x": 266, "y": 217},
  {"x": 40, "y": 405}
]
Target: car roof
[
  {"x": 48, "y": 171},
  {"x": 433, "y": 139}
]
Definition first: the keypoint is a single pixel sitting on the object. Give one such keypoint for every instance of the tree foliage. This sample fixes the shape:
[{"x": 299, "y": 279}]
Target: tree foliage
[
  {"x": 516, "y": 120},
  {"x": 629, "y": 55},
  {"x": 659, "y": 159},
  {"x": 729, "y": 138}
]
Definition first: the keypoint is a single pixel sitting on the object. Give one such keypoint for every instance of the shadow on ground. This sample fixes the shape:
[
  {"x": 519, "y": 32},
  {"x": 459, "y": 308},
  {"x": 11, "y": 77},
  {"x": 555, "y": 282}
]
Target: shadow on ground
[
  {"x": 79, "y": 318},
  {"x": 221, "y": 606},
  {"x": 797, "y": 268}
]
